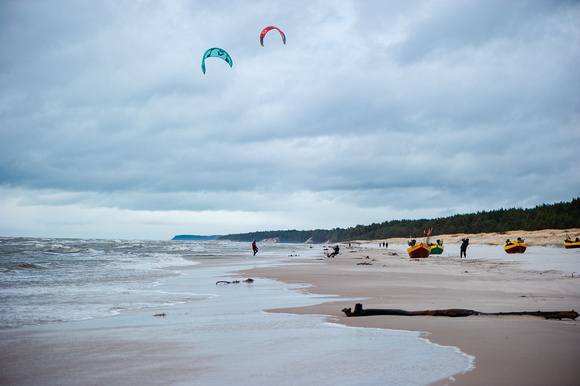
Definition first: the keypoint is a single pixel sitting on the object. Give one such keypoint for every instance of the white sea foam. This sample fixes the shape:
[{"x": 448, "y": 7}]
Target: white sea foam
[{"x": 242, "y": 342}]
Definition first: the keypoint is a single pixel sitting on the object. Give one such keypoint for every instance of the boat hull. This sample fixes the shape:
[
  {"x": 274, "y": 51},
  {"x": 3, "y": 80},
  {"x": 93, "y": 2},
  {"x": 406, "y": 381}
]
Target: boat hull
[
  {"x": 515, "y": 248},
  {"x": 419, "y": 251},
  {"x": 436, "y": 249},
  {"x": 572, "y": 244}
]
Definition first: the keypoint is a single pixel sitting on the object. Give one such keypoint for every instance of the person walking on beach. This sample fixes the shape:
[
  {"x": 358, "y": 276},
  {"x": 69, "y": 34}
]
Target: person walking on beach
[
  {"x": 463, "y": 248},
  {"x": 255, "y": 247}
]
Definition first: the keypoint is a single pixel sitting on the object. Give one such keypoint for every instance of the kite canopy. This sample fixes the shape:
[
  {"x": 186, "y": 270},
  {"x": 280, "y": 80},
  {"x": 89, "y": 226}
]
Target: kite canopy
[
  {"x": 216, "y": 53},
  {"x": 265, "y": 31}
]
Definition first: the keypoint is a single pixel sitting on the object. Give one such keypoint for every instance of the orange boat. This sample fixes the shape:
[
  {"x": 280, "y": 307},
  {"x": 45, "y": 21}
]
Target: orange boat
[{"x": 418, "y": 250}]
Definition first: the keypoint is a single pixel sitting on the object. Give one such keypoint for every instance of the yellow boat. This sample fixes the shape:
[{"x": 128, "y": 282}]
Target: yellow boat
[
  {"x": 569, "y": 243},
  {"x": 515, "y": 246}
]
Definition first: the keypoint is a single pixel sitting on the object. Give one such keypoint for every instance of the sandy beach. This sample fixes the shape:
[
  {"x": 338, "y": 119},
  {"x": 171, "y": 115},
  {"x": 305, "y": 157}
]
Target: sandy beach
[
  {"x": 220, "y": 334},
  {"x": 508, "y": 350}
]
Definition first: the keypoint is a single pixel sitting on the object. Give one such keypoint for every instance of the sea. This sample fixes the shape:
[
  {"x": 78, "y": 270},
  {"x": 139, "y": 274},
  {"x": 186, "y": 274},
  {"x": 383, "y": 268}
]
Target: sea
[{"x": 51, "y": 284}]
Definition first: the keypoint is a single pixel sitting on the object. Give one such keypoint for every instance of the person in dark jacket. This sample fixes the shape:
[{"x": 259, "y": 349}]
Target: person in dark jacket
[
  {"x": 255, "y": 247},
  {"x": 336, "y": 250},
  {"x": 463, "y": 248}
]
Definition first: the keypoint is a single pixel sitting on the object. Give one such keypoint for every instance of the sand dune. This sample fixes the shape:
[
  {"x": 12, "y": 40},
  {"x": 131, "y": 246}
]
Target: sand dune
[{"x": 542, "y": 237}]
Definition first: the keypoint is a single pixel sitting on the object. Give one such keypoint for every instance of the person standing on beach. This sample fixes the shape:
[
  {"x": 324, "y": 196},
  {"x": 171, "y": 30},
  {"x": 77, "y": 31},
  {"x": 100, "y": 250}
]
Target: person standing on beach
[
  {"x": 255, "y": 247},
  {"x": 463, "y": 248}
]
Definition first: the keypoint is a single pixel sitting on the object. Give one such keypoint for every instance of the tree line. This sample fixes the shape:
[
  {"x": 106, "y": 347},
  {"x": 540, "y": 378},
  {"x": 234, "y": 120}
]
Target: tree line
[{"x": 563, "y": 215}]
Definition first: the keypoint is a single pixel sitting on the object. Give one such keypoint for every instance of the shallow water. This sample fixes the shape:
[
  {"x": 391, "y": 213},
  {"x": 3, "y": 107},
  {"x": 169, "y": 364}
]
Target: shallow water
[{"x": 297, "y": 349}]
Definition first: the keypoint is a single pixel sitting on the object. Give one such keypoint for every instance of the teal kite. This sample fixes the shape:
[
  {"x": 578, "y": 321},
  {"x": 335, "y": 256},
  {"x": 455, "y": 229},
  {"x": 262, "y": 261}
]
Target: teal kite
[{"x": 216, "y": 53}]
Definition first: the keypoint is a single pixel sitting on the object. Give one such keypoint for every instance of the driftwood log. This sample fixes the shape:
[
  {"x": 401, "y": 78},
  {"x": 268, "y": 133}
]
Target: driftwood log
[
  {"x": 456, "y": 312},
  {"x": 248, "y": 280}
]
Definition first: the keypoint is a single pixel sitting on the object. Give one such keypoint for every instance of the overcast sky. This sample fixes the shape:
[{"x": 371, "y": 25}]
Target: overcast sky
[{"x": 372, "y": 111}]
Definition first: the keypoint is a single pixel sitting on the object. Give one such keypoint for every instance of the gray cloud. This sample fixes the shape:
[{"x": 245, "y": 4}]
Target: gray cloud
[{"x": 374, "y": 110}]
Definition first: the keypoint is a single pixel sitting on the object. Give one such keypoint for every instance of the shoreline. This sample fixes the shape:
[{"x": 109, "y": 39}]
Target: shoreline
[{"x": 508, "y": 350}]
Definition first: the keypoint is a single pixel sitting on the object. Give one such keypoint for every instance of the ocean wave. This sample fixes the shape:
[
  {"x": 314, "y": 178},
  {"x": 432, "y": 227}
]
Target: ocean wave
[
  {"x": 52, "y": 280},
  {"x": 27, "y": 265}
]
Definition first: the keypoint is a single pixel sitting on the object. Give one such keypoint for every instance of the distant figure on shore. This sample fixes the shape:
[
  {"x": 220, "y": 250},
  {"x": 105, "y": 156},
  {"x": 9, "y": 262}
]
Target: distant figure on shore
[
  {"x": 336, "y": 250},
  {"x": 463, "y": 248},
  {"x": 255, "y": 247}
]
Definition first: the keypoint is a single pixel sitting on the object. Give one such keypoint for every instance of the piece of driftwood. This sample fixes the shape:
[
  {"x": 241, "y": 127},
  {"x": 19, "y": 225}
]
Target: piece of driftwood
[
  {"x": 249, "y": 280},
  {"x": 457, "y": 312}
]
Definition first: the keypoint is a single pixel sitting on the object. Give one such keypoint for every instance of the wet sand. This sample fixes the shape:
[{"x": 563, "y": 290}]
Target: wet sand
[{"x": 508, "y": 350}]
